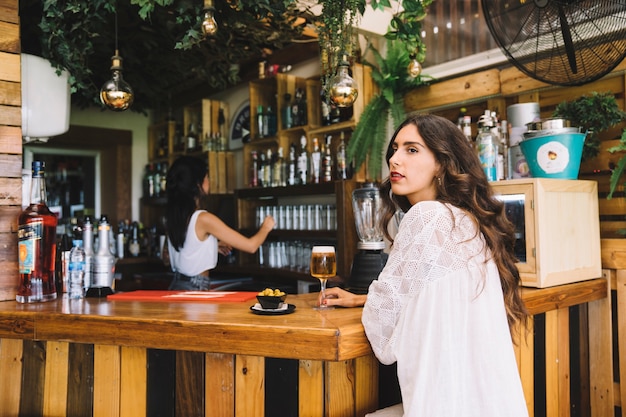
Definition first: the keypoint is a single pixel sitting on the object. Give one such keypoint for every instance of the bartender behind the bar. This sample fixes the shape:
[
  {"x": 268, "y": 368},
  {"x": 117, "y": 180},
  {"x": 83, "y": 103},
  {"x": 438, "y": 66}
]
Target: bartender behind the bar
[{"x": 196, "y": 236}]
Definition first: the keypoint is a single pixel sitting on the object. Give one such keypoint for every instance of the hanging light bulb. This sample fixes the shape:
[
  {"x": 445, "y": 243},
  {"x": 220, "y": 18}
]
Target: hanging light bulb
[
  {"x": 116, "y": 93},
  {"x": 343, "y": 89},
  {"x": 209, "y": 24},
  {"x": 415, "y": 68}
]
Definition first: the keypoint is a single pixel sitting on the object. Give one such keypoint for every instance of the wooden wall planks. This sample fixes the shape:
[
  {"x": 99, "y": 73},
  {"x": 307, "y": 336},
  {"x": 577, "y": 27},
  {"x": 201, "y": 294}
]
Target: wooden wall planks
[{"x": 10, "y": 144}]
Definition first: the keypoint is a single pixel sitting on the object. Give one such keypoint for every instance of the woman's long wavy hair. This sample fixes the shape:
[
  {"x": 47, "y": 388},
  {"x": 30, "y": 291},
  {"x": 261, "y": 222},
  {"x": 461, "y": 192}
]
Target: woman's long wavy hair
[
  {"x": 462, "y": 183},
  {"x": 184, "y": 190}
]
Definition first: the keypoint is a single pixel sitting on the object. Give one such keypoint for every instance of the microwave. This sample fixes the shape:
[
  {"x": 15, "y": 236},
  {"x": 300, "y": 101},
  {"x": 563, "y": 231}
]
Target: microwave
[{"x": 557, "y": 229}]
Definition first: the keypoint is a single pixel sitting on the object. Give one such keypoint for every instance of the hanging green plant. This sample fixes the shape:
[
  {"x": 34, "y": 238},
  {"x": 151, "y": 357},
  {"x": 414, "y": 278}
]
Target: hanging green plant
[
  {"x": 336, "y": 33},
  {"x": 370, "y": 134}
]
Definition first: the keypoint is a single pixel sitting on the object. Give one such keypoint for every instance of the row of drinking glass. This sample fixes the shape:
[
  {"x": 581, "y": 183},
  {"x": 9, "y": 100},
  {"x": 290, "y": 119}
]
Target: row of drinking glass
[
  {"x": 300, "y": 216},
  {"x": 294, "y": 255}
]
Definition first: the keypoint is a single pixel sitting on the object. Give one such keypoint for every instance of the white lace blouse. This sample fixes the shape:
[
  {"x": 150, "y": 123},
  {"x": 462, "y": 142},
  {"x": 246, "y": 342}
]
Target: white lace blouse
[{"x": 437, "y": 309}]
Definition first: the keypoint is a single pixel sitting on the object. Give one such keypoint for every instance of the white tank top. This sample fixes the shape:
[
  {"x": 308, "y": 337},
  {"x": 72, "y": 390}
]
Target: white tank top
[{"x": 196, "y": 256}]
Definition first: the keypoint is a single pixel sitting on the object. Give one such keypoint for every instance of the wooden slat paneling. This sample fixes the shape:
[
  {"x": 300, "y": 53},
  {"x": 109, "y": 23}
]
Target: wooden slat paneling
[
  {"x": 33, "y": 374},
  {"x": 10, "y": 93},
  {"x": 11, "y": 351},
  {"x": 472, "y": 87},
  {"x": 311, "y": 388},
  {"x": 106, "y": 381},
  {"x": 10, "y": 143},
  {"x": 133, "y": 384},
  {"x": 55, "y": 384},
  {"x": 340, "y": 379},
  {"x": 10, "y": 115},
  {"x": 80, "y": 380},
  {"x": 9, "y": 11},
  {"x": 220, "y": 384},
  {"x": 10, "y": 70},
  {"x": 250, "y": 386},
  {"x": 190, "y": 384},
  {"x": 10, "y": 140}
]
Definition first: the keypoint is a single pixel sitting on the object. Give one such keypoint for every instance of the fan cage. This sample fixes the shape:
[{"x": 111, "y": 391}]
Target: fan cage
[{"x": 534, "y": 36}]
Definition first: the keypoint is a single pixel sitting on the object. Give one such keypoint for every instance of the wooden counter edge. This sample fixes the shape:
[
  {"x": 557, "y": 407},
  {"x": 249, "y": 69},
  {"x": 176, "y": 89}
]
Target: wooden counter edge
[{"x": 541, "y": 300}]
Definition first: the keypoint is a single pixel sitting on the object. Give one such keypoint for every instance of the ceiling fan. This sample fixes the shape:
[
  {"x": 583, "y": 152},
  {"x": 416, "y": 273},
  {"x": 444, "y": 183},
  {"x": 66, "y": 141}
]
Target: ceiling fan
[{"x": 560, "y": 42}]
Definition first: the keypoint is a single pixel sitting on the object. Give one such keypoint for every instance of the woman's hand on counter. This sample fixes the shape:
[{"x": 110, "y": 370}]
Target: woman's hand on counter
[{"x": 338, "y": 297}]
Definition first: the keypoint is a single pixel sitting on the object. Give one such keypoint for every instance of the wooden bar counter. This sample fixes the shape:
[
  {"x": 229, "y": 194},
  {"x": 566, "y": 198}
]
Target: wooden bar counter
[{"x": 141, "y": 358}]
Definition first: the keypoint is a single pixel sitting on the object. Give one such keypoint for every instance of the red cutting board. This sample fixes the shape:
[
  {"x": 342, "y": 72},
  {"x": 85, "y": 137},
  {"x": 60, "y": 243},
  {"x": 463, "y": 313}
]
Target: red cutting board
[{"x": 169, "y": 296}]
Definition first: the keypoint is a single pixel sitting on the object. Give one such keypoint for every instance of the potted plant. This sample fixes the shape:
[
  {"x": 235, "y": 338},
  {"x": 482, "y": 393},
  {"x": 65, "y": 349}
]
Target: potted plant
[{"x": 593, "y": 113}]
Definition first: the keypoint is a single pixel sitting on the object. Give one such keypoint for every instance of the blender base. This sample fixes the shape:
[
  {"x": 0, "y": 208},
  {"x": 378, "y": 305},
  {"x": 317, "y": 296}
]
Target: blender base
[{"x": 366, "y": 266}]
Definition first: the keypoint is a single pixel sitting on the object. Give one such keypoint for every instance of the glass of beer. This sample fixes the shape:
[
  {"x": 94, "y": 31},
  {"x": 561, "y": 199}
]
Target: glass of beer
[{"x": 323, "y": 266}]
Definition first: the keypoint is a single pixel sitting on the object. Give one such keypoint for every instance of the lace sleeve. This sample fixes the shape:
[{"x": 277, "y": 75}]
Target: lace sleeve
[{"x": 425, "y": 248}]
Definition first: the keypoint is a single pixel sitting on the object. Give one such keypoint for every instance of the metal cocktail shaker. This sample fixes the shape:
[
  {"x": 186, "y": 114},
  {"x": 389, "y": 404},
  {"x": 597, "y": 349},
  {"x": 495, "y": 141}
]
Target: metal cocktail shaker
[{"x": 103, "y": 263}]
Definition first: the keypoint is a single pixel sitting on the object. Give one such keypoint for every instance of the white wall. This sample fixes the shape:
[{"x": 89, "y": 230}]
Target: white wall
[{"x": 138, "y": 125}]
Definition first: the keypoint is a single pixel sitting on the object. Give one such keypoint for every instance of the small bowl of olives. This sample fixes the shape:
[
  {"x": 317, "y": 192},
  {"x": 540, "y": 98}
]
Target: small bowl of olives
[{"x": 271, "y": 299}]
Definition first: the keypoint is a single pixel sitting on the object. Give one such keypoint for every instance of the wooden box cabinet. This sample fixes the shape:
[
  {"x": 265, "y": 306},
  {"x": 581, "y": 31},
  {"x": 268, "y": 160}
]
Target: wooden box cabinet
[{"x": 558, "y": 229}]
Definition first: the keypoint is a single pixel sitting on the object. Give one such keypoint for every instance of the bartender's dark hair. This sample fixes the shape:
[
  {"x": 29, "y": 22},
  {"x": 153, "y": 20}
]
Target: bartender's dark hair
[
  {"x": 184, "y": 189},
  {"x": 462, "y": 183}
]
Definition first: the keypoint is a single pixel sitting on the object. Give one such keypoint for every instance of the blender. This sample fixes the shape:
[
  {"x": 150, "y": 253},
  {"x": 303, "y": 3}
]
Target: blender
[{"x": 370, "y": 258}]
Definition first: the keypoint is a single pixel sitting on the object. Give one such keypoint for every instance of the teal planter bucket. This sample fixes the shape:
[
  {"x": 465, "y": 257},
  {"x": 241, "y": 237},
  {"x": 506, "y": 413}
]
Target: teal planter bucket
[{"x": 554, "y": 156}]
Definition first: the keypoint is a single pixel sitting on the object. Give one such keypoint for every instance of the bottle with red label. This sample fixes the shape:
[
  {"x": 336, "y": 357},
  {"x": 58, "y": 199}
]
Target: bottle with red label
[{"x": 37, "y": 244}]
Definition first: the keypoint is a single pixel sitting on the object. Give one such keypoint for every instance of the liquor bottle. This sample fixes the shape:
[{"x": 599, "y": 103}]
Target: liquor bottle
[
  {"x": 260, "y": 119},
  {"x": 299, "y": 108},
  {"x": 148, "y": 181},
  {"x": 103, "y": 262},
  {"x": 504, "y": 149},
  {"x": 163, "y": 186},
  {"x": 192, "y": 138},
  {"x": 292, "y": 178},
  {"x": 133, "y": 246},
  {"x": 325, "y": 104},
  {"x": 36, "y": 236},
  {"x": 272, "y": 121},
  {"x": 64, "y": 245},
  {"x": 269, "y": 168},
  {"x": 277, "y": 169},
  {"x": 303, "y": 162},
  {"x": 76, "y": 282},
  {"x": 466, "y": 128},
  {"x": 327, "y": 160},
  {"x": 487, "y": 146},
  {"x": 261, "y": 173},
  {"x": 341, "y": 160},
  {"x": 88, "y": 248},
  {"x": 254, "y": 169},
  {"x": 286, "y": 112},
  {"x": 316, "y": 162},
  {"x": 156, "y": 179}
]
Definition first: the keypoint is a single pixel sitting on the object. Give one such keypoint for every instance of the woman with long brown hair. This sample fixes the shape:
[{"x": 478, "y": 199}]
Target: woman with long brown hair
[{"x": 448, "y": 298}]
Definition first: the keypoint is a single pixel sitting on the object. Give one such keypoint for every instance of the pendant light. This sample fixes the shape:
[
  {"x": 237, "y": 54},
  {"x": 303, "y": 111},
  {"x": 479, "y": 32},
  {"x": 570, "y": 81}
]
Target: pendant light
[
  {"x": 209, "y": 24},
  {"x": 116, "y": 93},
  {"x": 414, "y": 68},
  {"x": 343, "y": 89}
]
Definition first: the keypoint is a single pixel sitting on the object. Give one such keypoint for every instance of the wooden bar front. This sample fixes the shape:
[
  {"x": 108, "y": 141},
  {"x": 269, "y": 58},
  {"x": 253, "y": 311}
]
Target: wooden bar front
[{"x": 129, "y": 358}]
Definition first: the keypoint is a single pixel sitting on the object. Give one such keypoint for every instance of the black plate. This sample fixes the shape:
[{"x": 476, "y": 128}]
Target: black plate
[{"x": 290, "y": 308}]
